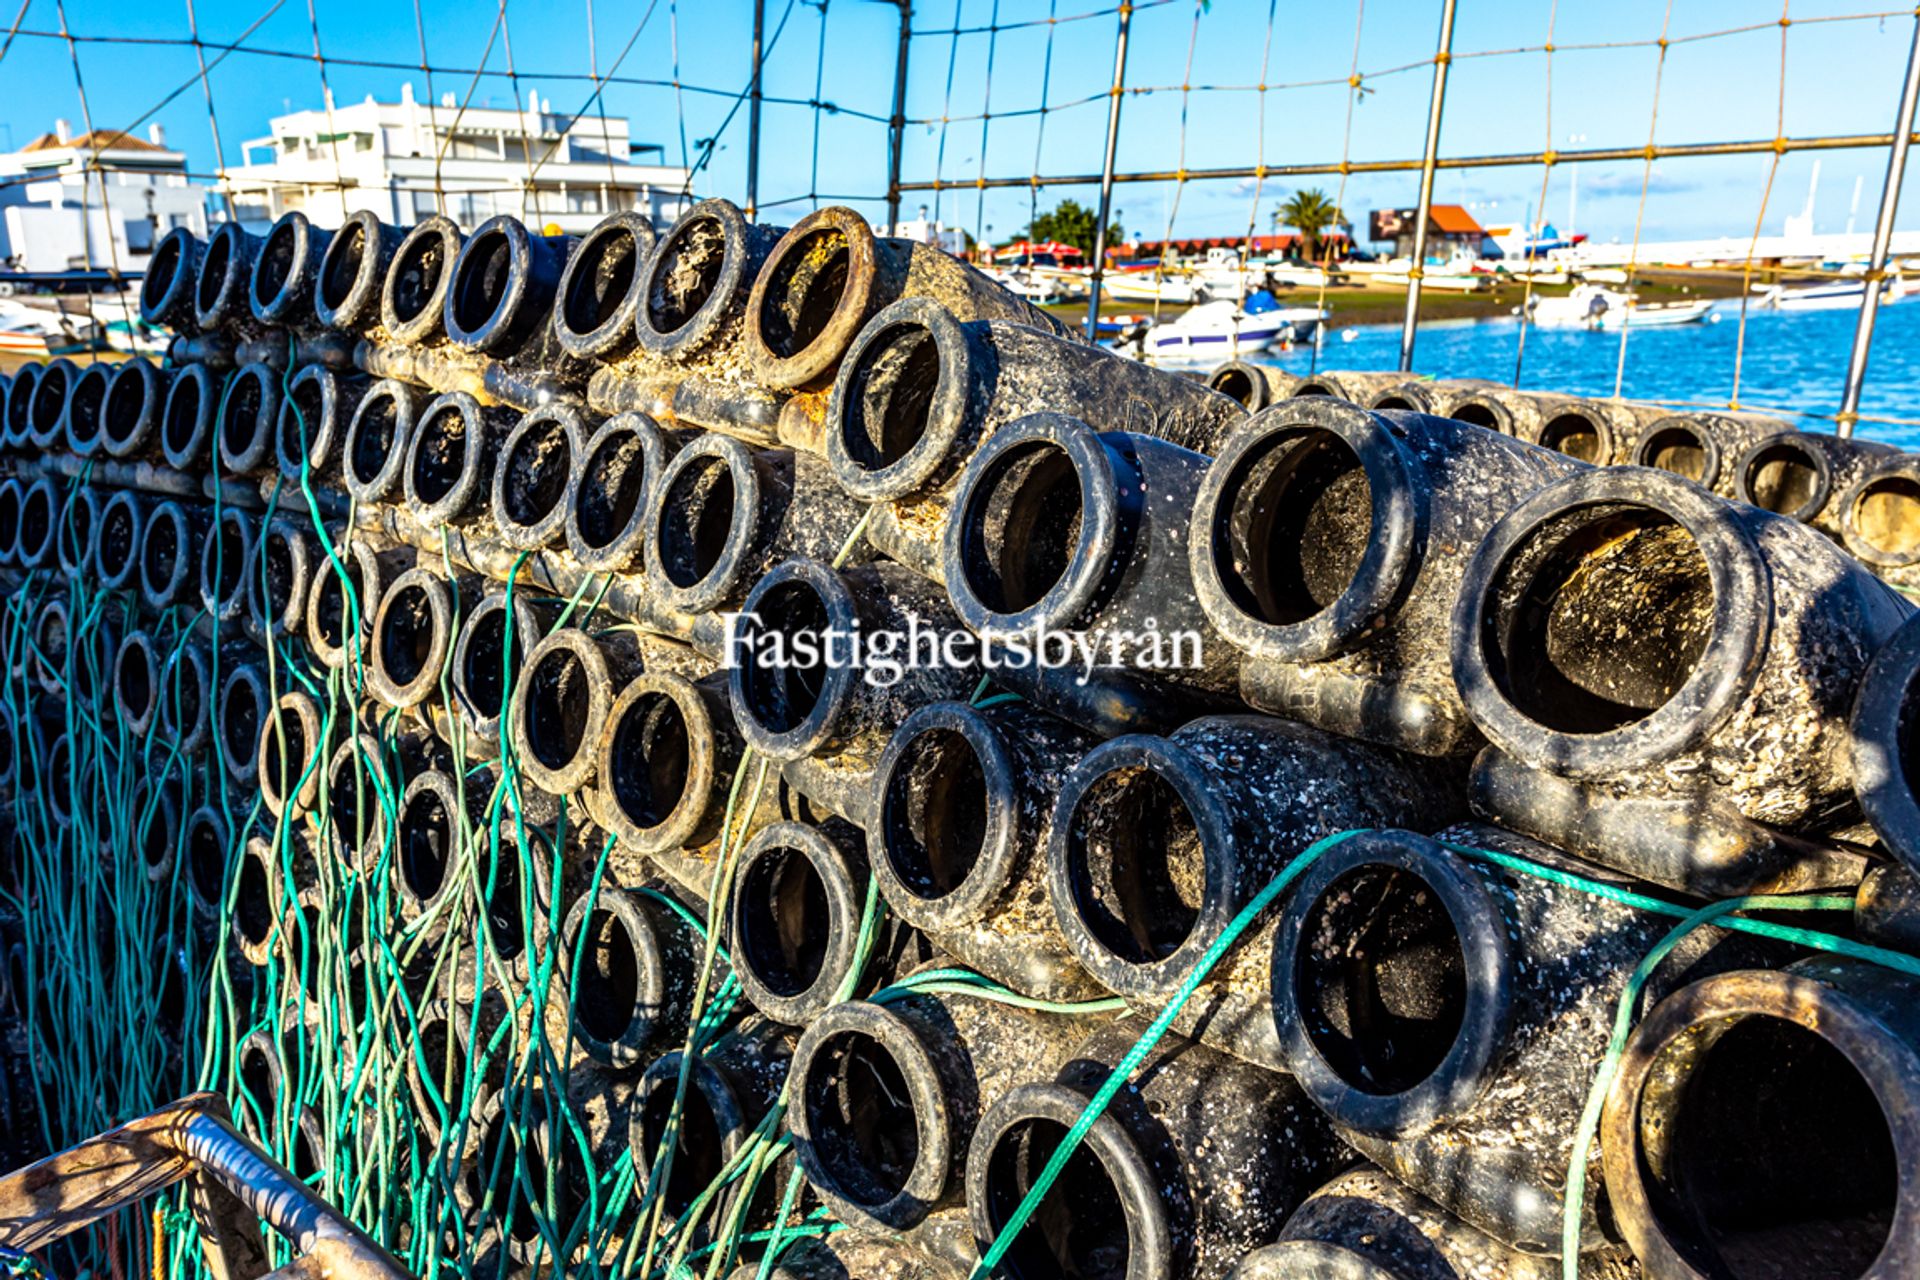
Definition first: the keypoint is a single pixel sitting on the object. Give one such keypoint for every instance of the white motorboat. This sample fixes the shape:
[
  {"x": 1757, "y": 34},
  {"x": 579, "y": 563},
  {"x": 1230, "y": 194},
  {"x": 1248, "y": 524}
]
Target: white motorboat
[
  {"x": 1839, "y": 295},
  {"x": 1589, "y": 306},
  {"x": 37, "y": 331},
  {"x": 1216, "y": 330},
  {"x": 1147, "y": 286},
  {"x": 1033, "y": 287}
]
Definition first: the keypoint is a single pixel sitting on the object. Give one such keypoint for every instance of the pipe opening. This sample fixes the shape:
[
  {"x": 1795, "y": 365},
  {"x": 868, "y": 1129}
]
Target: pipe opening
[
  {"x": 1322, "y": 389},
  {"x": 329, "y": 608},
  {"x": 61, "y": 794},
  {"x": 240, "y": 415},
  {"x": 1782, "y": 478},
  {"x": 426, "y": 841},
  {"x": 407, "y": 634},
  {"x": 300, "y": 419},
  {"x": 487, "y": 673},
  {"x": 1573, "y": 434},
  {"x": 538, "y": 468},
  {"x": 207, "y": 860},
  {"x": 1396, "y": 402},
  {"x": 1137, "y": 864},
  {"x": 240, "y": 721},
  {"x": 481, "y": 279},
  {"x": 1022, "y": 527},
  {"x": 1080, "y": 1231},
  {"x": 20, "y": 400},
  {"x": 652, "y": 757},
  {"x": 7, "y": 746},
  {"x": 1296, "y": 518},
  {"x": 861, "y": 1116},
  {"x": 686, "y": 273},
  {"x": 1381, "y": 977},
  {"x": 1476, "y": 414},
  {"x": 415, "y": 276},
  {"x": 607, "y": 989},
  {"x": 495, "y": 1178},
  {"x": 50, "y": 397},
  {"x": 612, "y": 483},
  {"x": 440, "y": 453},
  {"x": 286, "y": 754},
  {"x": 125, "y": 405},
  {"x": 10, "y": 500},
  {"x": 227, "y": 557},
  {"x": 376, "y": 428},
  {"x": 36, "y": 523},
  {"x": 161, "y": 270},
  {"x": 892, "y": 402},
  {"x": 781, "y": 697},
  {"x": 1779, "y": 1159},
  {"x": 504, "y": 912},
  {"x": 254, "y": 907},
  {"x": 76, "y": 531},
  {"x": 353, "y": 791},
  {"x": 214, "y": 266},
  {"x": 604, "y": 268},
  {"x": 446, "y": 1060},
  {"x": 158, "y": 834},
  {"x": 1679, "y": 449},
  {"x": 83, "y": 407},
  {"x": 275, "y": 265},
  {"x": 1609, "y": 623},
  {"x": 1236, "y": 383},
  {"x": 808, "y": 286},
  {"x": 699, "y": 1148},
  {"x": 696, "y": 519},
  {"x": 558, "y": 702},
  {"x": 1887, "y": 515},
  {"x": 134, "y": 682},
  {"x": 184, "y": 698},
  {"x": 183, "y": 415},
  {"x": 50, "y": 638},
  {"x": 935, "y": 814},
  {"x": 308, "y": 1159},
  {"x": 119, "y": 531},
  {"x": 340, "y": 267},
  {"x": 170, "y": 999},
  {"x": 784, "y": 921},
  {"x": 160, "y": 552},
  {"x": 282, "y": 573}
]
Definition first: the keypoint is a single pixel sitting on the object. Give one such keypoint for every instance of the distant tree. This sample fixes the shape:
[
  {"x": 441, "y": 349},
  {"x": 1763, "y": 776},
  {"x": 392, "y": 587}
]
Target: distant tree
[
  {"x": 1071, "y": 222},
  {"x": 1311, "y": 212}
]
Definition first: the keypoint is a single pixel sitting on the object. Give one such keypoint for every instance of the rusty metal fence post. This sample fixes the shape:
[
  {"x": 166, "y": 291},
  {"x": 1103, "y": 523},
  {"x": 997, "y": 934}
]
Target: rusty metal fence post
[
  {"x": 1442, "y": 58},
  {"x": 1106, "y": 173}
]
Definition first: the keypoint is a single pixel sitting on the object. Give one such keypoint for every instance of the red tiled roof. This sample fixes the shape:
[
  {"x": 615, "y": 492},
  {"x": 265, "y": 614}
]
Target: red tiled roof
[
  {"x": 100, "y": 139},
  {"x": 1453, "y": 220}
]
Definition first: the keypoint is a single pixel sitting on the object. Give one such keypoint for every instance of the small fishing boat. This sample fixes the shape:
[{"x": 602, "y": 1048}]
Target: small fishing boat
[
  {"x": 1840, "y": 295},
  {"x": 1147, "y": 285},
  {"x": 35, "y": 331},
  {"x": 1214, "y": 330},
  {"x": 1589, "y": 306}
]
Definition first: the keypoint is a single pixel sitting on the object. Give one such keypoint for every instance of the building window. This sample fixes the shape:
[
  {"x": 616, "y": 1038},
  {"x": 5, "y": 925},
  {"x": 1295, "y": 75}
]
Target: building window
[{"x": 139, "y": 235}]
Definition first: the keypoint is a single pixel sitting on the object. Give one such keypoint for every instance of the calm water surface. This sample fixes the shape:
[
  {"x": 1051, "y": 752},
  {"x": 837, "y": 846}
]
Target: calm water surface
[{"x": 1793, "y": 361}]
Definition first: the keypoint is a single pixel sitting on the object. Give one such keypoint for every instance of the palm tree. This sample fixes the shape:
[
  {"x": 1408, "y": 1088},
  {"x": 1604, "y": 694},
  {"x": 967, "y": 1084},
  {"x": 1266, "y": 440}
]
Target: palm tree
[{"x": 1311, "y": 212}]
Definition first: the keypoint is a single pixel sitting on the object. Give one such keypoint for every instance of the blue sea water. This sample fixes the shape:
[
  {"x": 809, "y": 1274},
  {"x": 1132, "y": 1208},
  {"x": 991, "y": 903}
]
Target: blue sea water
[{"x": 1794, "y": 361}]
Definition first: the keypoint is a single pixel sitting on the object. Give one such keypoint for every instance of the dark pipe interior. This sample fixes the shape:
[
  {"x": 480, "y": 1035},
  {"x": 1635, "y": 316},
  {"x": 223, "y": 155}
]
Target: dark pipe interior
[
  {"x": 934, "y": 820},
  {"x": 1573, "y": 434},
  {"x": 488, "y": 676},
  {"x": 891, "y": 397},
  {"x": 1396, "y": 402},
  {"x": 407, "y": 634},
  {"x": 254, "y": 907},
  {"x": 184, "y": 696},
  {"x": 698, "y": 1151},
  {"x": 10, "y": 520},
  {"x": 416, "y": 276},
  {"x": 608, "y": 987},
  {"x": 1610, "y": 624},
  {"x": 286, "y": 754},
  {"x": 240, "y": 415},
  {"x": 440, "y": 455},
  {"x": 1315, "y": 389},
  {"x": 1080, "y": 1229},
  {"x": 271, "y": 272},
  {"x": 1137, "y": 864},
  {"x": 806, "y": 290},
  {"x": 158, "y": 835},
  {"x": 1887, "y": 515},
  {"x": 340, "y": 267},
  {"x": 89, "y": 393},
  {"x": 229, "y": 558},
  {"x": 480, "y": 282},
  {"x": 351, "y": 784},
  {"x": 780, "y": 698},
  {"x": 214, "y": 265},
  {"x": 1780, "y": 1161},
  {"x": 505, "y": 913},
  {"x": 126, "y": 401},
  {"x": 1782, "y": 477},
  {"x": 160, "y": 551},
  {"x": 1381, "y": 979},
  {"x": 170, "y": 994},
  {"x": 161, "y": 269},
  {"x": 684, "y": 276},
  {"x": 784, "y": 924},
  {"x": 135, "y": 679},
  {"x": 36, "y": 523},
  {"x": 446, "y": 1060},
  {"x": 374, "y": 436},
  {"x": 309, "y": 1158},
  {"x": 604, "y": 268},
  {"x": 1477, "y": 414},
  {"x": 50, "y": 638},
  {"x": 864, "y": 1130},
  {"x": 50, "y": 397},
  {"x": 696, "y": 516},
  {"x": 282, "y": 573},
  {"x": 652, "y": 753},
  {"x": 330, "y": 601},
  {"x": 20, "y": 395},
  {"x": 537, "y": 472},
  {"x": 7, "y": 746},
  {"x": 1237, "y": 383},
  {"x": 183, "y": 415},
  {"x": 60, "y": 770},
  {"x": 207, "y": 861},
  {"x": 557, "y": 703},
  {"x": 76, "y": 531},
  {"x": 612, "y": 483},
  {"x": 1678, "y": 449},
  {"x": 240, "y": 720},
  {"x": 118, "y": 525},
  {"x": 1022, "y": 526},
  {"x": 1294, "y": 521},
  {"x": 300, "y": 419},
  {"x": 257, "y": 1084},
  {"x": 426, "y": 842}
]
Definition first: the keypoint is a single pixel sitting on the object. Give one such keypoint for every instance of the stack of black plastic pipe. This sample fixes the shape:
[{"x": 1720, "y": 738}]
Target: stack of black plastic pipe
[{"x": 578, "y": 520}]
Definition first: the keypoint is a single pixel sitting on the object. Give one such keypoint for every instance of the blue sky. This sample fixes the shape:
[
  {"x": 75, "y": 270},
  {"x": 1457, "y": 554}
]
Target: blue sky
[{"x": 1841, "y": 77}]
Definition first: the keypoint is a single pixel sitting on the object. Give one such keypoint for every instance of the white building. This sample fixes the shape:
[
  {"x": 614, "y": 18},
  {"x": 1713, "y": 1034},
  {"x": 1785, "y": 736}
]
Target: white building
[
  {"x": 404, "y": 160},
  {"x": 924, "y": 230},
  {"x": 99, "y": 200}
]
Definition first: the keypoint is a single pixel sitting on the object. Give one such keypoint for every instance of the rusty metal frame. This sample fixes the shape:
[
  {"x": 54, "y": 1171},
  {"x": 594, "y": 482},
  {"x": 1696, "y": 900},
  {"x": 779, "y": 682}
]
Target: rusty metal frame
[{"x": 232, "y": 1187}]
